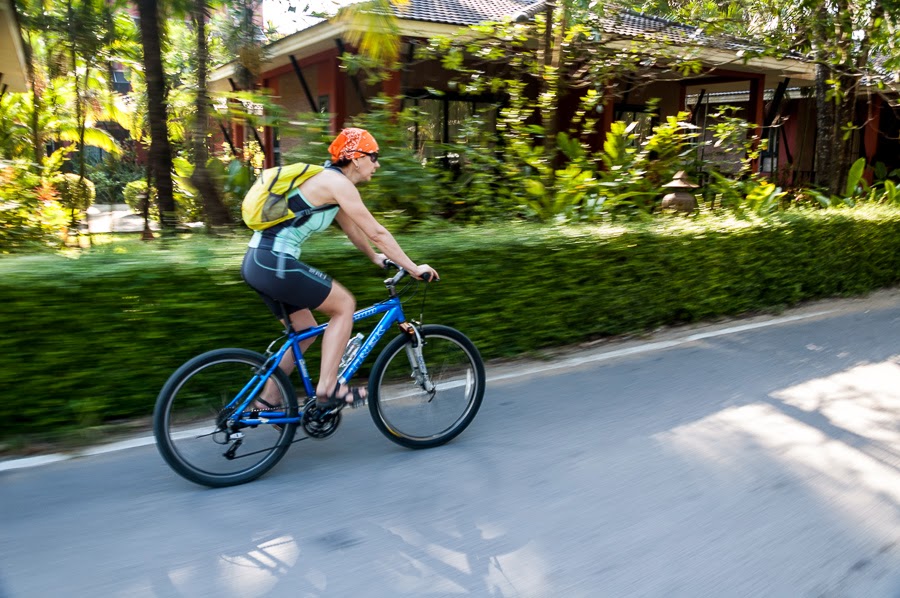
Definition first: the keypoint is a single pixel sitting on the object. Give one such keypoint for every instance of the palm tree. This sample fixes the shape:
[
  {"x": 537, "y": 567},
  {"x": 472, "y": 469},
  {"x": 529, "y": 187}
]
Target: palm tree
[
  {"x": 66, "y": 45},
  {"x": 160, "y": 150},
  {"x": 64, "y": 49},
  {"x": 213, "y": 207}
]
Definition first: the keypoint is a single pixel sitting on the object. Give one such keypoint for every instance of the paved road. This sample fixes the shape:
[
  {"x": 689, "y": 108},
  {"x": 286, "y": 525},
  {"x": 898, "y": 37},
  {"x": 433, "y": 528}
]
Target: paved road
[
  {"x": 751, "y": 458},
  {"x": 117, "y": 218}
]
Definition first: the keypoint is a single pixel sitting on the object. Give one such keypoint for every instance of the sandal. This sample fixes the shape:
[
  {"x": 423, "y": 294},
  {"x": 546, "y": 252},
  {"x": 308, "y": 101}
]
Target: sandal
[{"x": 333, "y": 400}]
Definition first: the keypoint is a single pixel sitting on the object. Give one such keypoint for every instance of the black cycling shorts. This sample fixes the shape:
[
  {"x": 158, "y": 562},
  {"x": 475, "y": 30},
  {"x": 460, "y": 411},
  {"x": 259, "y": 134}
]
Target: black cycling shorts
[{"x": 282, "y": 278}]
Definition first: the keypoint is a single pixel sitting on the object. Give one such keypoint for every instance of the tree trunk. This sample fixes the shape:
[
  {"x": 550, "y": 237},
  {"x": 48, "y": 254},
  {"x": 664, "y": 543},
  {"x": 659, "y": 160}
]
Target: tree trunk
[
  {"x": 846, "y": 117},
  {"x": 825, "y": 138},
  {"x": 214, "y": 210},
  {"x": 160, "y": 150},
  {"x": 549, "y": 81},
  {"x": 74, "y": 224},
  {"x": 36, "y": 104},
  {"x": 36, "y": 132}
]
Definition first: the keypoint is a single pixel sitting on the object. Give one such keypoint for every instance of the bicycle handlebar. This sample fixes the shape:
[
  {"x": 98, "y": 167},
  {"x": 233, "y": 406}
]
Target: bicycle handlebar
[{"x": 388, "y": 263}]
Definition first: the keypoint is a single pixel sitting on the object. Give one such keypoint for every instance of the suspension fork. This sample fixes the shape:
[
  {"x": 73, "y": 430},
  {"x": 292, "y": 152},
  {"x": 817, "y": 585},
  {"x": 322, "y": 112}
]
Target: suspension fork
[{"x": 416, "y": 360}]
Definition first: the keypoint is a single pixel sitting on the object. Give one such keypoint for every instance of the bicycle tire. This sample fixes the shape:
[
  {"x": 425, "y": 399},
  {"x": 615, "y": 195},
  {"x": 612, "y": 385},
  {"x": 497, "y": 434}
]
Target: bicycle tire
[
  {"x": 190, "y": 403},
  {"x": 454, "y": 365}
]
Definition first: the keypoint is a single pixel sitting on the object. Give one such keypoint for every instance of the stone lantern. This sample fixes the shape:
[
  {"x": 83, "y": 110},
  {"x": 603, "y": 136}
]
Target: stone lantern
[{"x": 680, "y": 199}]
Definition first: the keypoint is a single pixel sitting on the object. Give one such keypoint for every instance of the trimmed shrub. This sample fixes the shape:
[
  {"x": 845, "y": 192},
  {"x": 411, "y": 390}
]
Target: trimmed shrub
[
  {"x": 94, "y": 338},
  {"x": 75, "y": 193}
]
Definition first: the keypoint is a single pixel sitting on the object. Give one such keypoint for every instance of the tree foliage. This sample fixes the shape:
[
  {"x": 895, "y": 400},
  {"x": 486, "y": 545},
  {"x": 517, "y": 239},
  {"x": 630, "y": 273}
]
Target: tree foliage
[
  {"x": 552, "y": 81},
  {"x": 853, "y": 44}
]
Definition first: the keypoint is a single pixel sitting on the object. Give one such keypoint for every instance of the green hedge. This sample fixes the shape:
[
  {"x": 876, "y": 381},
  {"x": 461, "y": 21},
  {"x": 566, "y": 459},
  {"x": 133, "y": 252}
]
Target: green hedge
[{"x": 93, "y": 338}]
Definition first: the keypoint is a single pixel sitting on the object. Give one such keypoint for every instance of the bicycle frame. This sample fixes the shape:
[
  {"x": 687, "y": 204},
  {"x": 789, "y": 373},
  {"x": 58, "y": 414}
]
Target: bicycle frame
[{"x": 393, "y": 314}]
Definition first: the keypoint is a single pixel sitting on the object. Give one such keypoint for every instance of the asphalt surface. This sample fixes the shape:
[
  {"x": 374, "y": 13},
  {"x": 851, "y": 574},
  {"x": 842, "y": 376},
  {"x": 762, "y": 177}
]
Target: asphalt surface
[{"x": 758, "y": 457}]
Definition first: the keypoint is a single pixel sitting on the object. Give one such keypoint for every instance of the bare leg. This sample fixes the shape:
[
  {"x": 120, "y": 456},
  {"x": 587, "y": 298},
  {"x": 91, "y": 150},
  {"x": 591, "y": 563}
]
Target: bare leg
[
  {"x": 299, "y": 320},
  {"x": 340, "y": 305}
]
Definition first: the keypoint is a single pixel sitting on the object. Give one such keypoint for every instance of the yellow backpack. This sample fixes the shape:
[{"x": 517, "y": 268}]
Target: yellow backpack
[{"x": 266, "y": 203}]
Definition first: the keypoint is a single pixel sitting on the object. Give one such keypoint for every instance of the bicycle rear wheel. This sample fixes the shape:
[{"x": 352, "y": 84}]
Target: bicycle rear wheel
[
  {"x": 202, "y": 441},
  {"x": 405, "y": 410}
]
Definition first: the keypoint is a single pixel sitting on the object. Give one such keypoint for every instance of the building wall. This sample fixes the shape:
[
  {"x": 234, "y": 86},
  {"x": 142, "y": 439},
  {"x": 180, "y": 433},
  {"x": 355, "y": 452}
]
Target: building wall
[
  {"x": 341, "y": 93},
  {"x": 292, "y": 97},
  {"x": 796, "y": 153},
  {"x": 425, "y": 74},
  {"x": 888, "y": 134},
  {"x": 668, "y": 94},
  {"x": 290, "y": 92},
  {"x": 353, "y": 101}
]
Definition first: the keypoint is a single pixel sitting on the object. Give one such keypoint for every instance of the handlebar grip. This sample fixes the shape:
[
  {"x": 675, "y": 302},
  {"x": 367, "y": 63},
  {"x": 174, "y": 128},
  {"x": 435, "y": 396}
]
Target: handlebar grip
[{"x": 389, "y": 263}]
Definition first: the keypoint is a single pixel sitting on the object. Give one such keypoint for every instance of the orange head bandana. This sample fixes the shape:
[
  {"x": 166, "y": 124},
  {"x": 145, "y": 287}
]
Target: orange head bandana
[{"x": 352, "y": 143}]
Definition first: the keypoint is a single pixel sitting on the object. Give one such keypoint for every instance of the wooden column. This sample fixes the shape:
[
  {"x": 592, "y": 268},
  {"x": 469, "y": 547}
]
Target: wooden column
[
  {"x": 338, "y": 99},
  {"x": 756, "y": 108},
  {"x": 331, "y": 83},
  {"x": 392, "y": 88},
  {"x": 870, "y": 136},
  {"x": 604, "y": 124},
  {"x": 269, "y": 132}
]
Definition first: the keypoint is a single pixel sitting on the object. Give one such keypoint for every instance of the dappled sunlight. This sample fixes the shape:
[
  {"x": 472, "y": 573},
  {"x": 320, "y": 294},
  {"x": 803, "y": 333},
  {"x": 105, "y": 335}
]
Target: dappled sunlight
[
  {"x": 424, "y": 566},
  {"x": 836, "y": 436},
  {"x": 258, "y": 571},
  {"x": 448, "y": 557},
  {"x": 864, "y": 400}
]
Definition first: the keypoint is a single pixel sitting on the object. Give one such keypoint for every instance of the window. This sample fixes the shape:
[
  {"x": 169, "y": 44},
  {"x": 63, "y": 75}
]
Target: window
[
  {"x": 120, "y": 81},
  {"x": 644, "y": 122},
  {"x": 768, "y": 160},
  {"x": 444, "y": 119}
]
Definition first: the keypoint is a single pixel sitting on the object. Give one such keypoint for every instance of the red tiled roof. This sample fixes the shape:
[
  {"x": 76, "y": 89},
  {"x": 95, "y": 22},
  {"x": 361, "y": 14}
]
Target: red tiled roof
[
  {"x": 615, "y": 20},
  {"x": 464, "y": 12},
  {"x": 629, "y": 24}
]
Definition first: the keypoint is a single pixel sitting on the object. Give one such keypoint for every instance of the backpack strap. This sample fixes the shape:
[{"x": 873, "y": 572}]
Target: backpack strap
[
  {"x": 275, "y": 179},
  {"x": 304, "y": 214},
  {"x": 291, "y": 186}
]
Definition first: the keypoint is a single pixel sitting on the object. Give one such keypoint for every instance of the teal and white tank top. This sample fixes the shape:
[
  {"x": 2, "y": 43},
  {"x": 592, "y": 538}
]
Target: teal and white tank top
[{"x": 288, "y": 237}]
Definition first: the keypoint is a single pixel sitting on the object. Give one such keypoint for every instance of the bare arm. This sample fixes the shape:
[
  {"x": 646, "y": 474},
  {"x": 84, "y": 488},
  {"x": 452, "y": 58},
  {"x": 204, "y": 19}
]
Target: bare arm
[
  {"x": 354, "y": 211},
  {"x": 359, "y": 238}
]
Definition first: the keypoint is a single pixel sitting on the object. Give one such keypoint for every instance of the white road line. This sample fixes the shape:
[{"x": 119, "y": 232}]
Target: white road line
[
  {"x": 33, "y": 461},
  {"x": 116, "y": 446},
  {"x": 560, "y": 365}
]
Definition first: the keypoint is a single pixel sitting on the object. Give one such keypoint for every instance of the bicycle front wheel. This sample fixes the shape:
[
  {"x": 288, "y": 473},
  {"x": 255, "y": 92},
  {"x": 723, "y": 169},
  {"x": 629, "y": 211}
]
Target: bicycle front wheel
[
  {"x": 419, "y": 408},
  {"x": 195, "y": 429}
]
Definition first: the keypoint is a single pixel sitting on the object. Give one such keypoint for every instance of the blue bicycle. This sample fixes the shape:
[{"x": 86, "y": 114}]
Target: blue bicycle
[{"x": 424, "y": 389}]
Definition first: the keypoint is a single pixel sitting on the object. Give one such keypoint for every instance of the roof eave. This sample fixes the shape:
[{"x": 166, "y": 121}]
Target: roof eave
[
  {"x": 717, "y": 57},
  {"x": 12, "y": 49},
  {"x": 319, "y": 37}
]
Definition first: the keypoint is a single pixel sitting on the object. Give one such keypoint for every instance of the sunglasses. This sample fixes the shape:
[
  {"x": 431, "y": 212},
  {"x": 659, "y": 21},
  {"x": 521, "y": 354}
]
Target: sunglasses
[{"x": 372, "y": 155}]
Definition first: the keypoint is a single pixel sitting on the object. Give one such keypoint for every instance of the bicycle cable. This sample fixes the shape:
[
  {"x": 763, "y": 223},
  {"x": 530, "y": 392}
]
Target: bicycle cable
[
  {"x": 422, "y": 309},
  {"x": 414, "y": 285},
  {"x": 295, "y": 441}
]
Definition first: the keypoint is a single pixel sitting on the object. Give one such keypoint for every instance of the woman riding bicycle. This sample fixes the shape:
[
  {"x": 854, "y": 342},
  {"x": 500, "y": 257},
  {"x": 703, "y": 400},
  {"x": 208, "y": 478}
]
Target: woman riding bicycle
[{"x": 272, "y": 267}]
